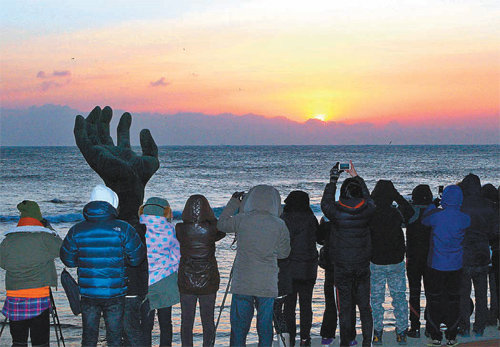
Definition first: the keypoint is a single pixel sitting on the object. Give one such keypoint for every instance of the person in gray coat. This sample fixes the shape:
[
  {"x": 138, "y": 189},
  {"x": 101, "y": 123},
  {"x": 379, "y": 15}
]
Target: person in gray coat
[{"x": 262, "y": 239}]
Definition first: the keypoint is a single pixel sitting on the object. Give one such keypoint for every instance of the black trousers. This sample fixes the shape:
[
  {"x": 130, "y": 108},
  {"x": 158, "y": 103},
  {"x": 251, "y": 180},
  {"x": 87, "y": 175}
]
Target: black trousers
[
  {"x": 329, "y": 323},
  {"x": 415, "y": 271},
  {"x": 479, "y": 277},
  {"x": 353, "y": 285},
  {"x": 279, "y": 315},
  {"x": 38, "y": 328},
  {"x": 442, "y": 290},
  {"x": 188, "y": 311},
  {"x": 495, "y": 260},
  {"x": 304, "y": 290}
]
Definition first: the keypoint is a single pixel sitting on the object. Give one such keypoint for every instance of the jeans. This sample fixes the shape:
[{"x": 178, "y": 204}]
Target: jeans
[
  {"x": 478, "y": 276},
  {"x": 112, "y": 310},
  {"x": 188, "y": 311},
  {"x": 353, "y": 285},
  {"x": 442, "y": 290},
  {"x": 38, "y": 328},
  {"x": 392, "y": 275},
  {"x": 135, "y": 321},
  {"x": 242, "y": 307},
  {"x": 304, "y": 289}
]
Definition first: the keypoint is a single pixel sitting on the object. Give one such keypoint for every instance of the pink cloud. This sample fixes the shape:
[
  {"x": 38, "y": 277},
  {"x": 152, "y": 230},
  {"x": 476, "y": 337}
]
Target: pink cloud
[
  {"x": 62, "y": 73},
  {"x": 160, "y": 83}
]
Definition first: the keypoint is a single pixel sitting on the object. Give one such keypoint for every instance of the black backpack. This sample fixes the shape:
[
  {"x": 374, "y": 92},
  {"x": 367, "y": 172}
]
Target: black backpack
[{"x": 72, "y": 292}]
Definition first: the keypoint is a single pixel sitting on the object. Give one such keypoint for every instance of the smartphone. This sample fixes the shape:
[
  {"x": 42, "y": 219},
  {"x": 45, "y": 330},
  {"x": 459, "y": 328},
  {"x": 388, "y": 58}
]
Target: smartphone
[{"x": 345, "y": 166}]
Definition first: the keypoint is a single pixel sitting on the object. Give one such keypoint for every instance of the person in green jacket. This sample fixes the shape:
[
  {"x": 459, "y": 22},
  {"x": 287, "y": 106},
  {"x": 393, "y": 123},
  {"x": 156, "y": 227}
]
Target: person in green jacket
[{"x": 27, "y": 255}]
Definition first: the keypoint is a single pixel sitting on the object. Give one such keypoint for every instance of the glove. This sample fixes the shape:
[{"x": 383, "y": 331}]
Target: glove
[
  {"x": 238, "y": 195},
  {"x": 335, "y": 173},
  {"x": 437, "y": 202}
]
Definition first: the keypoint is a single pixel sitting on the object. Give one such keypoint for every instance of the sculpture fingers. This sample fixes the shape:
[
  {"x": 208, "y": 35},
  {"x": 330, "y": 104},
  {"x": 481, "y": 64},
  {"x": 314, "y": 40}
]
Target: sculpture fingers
[
  {"x": 92, "y": 121},
  {"x": 148, "y": 144},
  {"x": 123, "y": 130},
  {"x": 81, "y": 137},
  {"x": 103, "y": 126}
]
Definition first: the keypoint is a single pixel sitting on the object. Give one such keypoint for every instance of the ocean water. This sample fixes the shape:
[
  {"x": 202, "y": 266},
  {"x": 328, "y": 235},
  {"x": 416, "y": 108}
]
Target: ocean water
[{"x": 60, "y": 180}]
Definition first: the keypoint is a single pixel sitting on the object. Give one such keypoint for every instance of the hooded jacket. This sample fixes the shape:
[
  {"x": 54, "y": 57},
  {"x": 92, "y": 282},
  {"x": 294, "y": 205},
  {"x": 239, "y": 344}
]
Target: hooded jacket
[
  {"x": 262, "y": 238},
  {"x": 350, "y": 216},
  {"x": 197, "y": 234},
  {"x": 417, "y": 234},
  {"x": 101, "y": 246},
  {"x": 27, "y": 254},
  {"x": 388, "y": 241},
  {"x": 303, "y": 227},
  {"x": 483, "y": 226},
  {"x": 448, "y": 230}
]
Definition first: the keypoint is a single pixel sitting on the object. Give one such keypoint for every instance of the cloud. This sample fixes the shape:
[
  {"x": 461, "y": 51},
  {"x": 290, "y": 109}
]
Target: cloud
[
  {"x": 160, "y": 83},
  {"x": 41, "y": 74},
  {"x": 61, "y": 73},
  {"x": 49, "y": 85},
  {"x": 229, "y": 129}
]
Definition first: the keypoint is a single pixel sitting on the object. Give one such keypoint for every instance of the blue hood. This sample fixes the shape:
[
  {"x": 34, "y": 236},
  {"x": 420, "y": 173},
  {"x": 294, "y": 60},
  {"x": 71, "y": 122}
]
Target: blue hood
[
  {"x": 99, "y": 210},
  {"x": 452, "y": 196}
]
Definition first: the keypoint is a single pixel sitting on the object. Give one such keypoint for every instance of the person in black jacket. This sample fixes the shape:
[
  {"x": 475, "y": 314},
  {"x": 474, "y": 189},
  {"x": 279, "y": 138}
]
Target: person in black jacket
[
  {"x": 387, "y": 263},
  {"x": 417, "y": 249},
  {"x": 491, "y": 193},
  {"x": 329, "y": 322},
  {"x": 303, "y": 226},
  {"x": 351, "y": 249},
  {"x": 198, "y": 273},
  {"x": 483, "y": 228}
]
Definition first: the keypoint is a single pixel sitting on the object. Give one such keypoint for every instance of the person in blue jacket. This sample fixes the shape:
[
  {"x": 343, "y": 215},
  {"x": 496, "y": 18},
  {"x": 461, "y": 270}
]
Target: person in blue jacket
[
  {"x": 100, "y": 247},
  {"x": 444, "y": 264}
]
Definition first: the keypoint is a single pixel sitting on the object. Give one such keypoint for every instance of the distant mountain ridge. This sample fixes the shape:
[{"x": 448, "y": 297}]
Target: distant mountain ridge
[{"x": 52, "y": 125}]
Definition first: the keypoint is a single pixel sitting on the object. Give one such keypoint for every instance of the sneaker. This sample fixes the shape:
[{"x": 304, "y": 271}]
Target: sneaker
[
  {"x": 452, "y": 342},
  {"x": 327, "y": 341},
  {"x": 353, "y": 343},
  {"x": 401, "y": 337},
  {"x": 305, "y": 342},
  {"x": 434, "y": 343},
  {"x": 377, "y": 337},
  {"x": 413, "y": 333}
]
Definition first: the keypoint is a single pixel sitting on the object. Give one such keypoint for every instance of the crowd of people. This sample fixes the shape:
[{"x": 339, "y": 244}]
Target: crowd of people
[{"x": 128, "y": 273}]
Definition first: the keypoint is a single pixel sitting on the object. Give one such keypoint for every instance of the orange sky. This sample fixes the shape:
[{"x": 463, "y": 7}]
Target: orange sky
[{"x": 411, "y": 61}]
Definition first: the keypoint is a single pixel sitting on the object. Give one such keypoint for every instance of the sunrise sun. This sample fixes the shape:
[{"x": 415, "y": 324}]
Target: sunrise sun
[{"x": 320, "y": 117}]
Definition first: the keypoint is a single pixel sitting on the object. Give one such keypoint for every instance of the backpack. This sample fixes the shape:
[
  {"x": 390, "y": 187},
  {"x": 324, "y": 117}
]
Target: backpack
[{"x": 72, "y": 291}]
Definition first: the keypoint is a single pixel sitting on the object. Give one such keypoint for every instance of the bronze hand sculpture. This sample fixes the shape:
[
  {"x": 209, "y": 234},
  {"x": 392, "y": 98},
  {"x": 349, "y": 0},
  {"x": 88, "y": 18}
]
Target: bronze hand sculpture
[{"x": 122, "y": 170}]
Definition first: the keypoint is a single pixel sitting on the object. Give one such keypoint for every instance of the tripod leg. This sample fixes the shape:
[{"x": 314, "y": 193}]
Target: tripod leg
[
  {"x": 57, "y": 323},
  {"x": 3, "y": 326}
]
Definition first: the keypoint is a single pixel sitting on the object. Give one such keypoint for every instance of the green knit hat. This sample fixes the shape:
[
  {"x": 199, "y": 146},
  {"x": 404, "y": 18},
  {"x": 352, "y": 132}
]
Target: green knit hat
[
  {"x": 155, "y": 206},
  {"x": 30, "y": 209}
]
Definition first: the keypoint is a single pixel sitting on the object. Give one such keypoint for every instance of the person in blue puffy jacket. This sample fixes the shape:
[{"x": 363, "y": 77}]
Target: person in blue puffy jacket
[
  {"x": 101, "y": 246},
  {"x": 444, "y": 264}
]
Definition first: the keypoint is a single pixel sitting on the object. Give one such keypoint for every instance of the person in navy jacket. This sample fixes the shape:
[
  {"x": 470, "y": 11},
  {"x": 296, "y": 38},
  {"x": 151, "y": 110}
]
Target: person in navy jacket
[
  {"x": 101, "y": 246},
  {"x": 444, "y": 264}
]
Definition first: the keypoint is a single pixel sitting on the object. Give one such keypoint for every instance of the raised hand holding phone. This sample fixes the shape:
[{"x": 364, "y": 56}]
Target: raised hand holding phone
[{"x": 352, "y": 170}]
